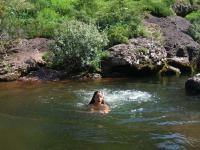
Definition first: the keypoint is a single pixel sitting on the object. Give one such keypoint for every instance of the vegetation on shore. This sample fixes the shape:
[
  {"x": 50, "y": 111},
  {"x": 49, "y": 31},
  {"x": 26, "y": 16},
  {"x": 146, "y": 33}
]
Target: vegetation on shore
[{"x": 83, "y": 29}]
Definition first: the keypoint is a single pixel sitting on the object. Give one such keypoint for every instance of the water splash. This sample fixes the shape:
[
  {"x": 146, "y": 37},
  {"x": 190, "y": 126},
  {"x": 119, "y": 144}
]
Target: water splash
[{"x": 115, "y": 98}]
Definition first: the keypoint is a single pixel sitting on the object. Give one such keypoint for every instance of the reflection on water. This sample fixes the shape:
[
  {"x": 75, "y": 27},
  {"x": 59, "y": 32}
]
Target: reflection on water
[{"x": 146, "y": 114}]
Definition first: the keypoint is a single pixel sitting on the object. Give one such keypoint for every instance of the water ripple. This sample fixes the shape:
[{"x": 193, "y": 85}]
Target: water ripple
[
  {"x": 173, "y": 141},
  {"x": 171, "y": 123}
]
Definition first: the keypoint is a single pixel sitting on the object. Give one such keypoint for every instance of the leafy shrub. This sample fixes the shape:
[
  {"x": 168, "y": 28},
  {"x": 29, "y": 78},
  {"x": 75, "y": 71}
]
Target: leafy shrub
[
  {"x": 77, "y": 46},
  {"x": 159, "y": 8}
]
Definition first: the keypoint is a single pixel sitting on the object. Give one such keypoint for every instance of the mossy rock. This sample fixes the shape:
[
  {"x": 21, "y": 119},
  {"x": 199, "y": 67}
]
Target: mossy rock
[{"x": 169, "y": 71}]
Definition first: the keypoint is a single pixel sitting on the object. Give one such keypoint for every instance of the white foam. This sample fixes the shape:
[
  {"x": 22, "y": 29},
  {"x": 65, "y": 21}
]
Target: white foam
[
  {"x": 80, "y": 104},
  {"x": 116, "y": 98}
]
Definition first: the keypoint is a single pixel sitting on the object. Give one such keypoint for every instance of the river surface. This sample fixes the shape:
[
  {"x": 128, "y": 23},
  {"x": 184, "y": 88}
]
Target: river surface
[{"x": 146, "y": 114}]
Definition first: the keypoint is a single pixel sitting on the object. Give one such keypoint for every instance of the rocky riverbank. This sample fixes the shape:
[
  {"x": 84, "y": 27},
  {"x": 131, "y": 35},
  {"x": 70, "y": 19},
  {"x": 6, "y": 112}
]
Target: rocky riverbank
[
  {"x": 168, "y": 51},
  {"x": 174, "y": 53}
]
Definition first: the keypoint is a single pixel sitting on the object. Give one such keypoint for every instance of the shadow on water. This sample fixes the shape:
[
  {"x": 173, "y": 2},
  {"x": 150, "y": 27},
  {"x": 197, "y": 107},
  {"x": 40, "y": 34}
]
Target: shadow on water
[{"x": 147, "y": 113}]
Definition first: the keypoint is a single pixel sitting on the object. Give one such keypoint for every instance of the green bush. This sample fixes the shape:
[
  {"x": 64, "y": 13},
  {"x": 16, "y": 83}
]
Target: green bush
[
  {"x": 159, "y": 8},
  {"x": 77, "y": 46}
]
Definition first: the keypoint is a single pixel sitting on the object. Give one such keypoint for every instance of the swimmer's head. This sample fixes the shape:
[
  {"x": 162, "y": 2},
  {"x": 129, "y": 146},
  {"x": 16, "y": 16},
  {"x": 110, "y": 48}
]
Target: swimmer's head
[{"x": 98, "y": 98}]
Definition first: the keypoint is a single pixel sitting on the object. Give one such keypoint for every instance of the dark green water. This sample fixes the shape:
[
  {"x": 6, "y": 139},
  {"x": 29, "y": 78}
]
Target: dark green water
[{"x": 147, "y": 114}]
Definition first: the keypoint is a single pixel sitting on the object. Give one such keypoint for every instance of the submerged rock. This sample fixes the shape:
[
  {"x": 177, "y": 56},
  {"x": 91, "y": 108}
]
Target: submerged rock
[
  {"x": 87, "y": 76},
  {"x": 192, "y": 85},
  {"x": 139, "y": 55}
]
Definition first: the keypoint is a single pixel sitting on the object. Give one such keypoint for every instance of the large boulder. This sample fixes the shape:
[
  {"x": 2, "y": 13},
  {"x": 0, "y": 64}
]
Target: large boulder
[
  {"x": 192, "y": 85},
  {"x": 23, "y": 57},
  {"x": 138, "y": 56},
  {"x": 176, "y": 40}
]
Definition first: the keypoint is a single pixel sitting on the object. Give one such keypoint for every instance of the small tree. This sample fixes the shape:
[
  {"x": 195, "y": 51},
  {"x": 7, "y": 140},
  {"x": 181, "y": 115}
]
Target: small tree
[{"x": 78, "y": 46}]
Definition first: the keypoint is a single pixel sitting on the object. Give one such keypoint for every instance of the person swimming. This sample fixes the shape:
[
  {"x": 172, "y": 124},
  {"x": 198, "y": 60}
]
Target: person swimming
[{"x": 97, "y": 103}]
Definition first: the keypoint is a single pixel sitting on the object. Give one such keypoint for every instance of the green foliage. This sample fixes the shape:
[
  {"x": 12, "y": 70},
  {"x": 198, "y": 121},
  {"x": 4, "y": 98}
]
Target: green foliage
[
  {"x": 44, "y": 24},
  {"x": 194, "y": 2},
  {"x": 194, "y": 16},
  {"x": 142, "y": 50},
  {"x": 33, "y": 18},
  {"x": 21, "y": 8},
  {"x": 86, "y": 10},
  {"x": 159, "y": 8},
  {"x": 121, "y": 20},
  {"x": 16, "y": 15},
  {"x": 118, "y": 34},
  {"x": 77, "y": 46},
  {"x": 13, "y": 26},
  {"x": 194, "y": 30},
  {"x": 2, "y": 8}
]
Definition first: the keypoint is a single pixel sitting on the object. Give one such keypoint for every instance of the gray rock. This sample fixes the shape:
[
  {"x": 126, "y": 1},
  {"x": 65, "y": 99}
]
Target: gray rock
[
  {"x": 140, "y": 55},
  {"x": 181, "y": 63},
  {"x": 10, "y": 76},
  {"x": 176, "y": 40},
  {"x": 43, "y": 74},
  {"x": 169, "y": 70},
  {"x": 22, "y": 58}
]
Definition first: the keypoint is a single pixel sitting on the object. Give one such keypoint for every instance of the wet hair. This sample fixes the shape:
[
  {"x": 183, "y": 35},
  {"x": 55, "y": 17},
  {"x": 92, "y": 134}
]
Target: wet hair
[{"x": 93, "y": 98}]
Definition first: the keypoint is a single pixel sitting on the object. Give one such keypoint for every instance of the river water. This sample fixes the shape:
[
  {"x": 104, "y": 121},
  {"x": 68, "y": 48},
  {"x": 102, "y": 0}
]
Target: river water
[{"x": 146, "y": 114}]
